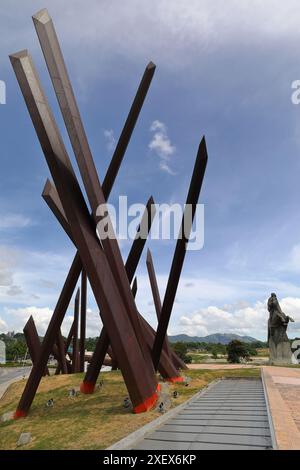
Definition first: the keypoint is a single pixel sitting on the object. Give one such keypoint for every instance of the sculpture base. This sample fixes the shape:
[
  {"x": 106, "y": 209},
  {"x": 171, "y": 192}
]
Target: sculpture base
[{"x": 280, "y": 354}]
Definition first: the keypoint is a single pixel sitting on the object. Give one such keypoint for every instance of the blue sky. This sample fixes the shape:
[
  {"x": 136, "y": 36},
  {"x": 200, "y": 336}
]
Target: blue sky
[{"x": 224, "y": 70}]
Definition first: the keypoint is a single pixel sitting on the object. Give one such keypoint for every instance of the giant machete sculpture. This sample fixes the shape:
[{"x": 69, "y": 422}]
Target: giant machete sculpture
[
  {"x": 167, "y": 370},
  {"x": 119, "y": 319},
  {"x": 133, "y": 344},
  {"x": 76, "y": 266}
]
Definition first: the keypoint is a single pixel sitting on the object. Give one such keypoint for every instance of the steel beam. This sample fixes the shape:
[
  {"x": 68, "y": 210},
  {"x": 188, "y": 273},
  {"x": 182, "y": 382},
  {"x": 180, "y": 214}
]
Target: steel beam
[
  {"x": 180, "y": 250},
  {"x": 92, "y": 372},
  {"x": 33, "y": 341},
  {"x": 83, "y": 319},
  {"x": 134, "y": 287},
  {"x": 49, "y": 339},
  {"x": 166, "y": 368},
  {"x": 34, "y": 347},
  {"x": 74, "y": 125},
  {"x": 155, "y": 294},
  {"x": 62, "y": 362},
  {"x": 114, "y": 364},
  {"x": 75, "y": 351},
  {"x": 179, "y": 364},
  {"x": 153, "y": 284},
  {"x": 125, "y": 135},
  {"x": 76, "y": 266},
  {"x": 69, "y": 338},
  {"x": 67, "y": 345},
  {"x": 140, "y": 381},
  {"x": 131, "y": 265}
]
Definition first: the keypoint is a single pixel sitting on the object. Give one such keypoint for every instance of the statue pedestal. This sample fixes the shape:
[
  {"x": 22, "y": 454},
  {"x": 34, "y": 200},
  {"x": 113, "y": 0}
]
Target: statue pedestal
[{"x": 280, "y": 354}]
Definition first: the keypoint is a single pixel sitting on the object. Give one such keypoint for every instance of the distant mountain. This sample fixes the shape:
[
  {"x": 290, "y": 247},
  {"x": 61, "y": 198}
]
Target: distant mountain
[{"x": 223, "y": 338}]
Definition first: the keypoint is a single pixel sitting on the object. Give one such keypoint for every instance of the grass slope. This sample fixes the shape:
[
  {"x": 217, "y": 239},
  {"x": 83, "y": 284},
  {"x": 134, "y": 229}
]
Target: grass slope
[{"x": 88, "y": 421}]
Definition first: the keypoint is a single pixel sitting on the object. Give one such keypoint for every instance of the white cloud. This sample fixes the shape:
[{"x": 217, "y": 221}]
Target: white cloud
[
  {"x": 238, "y": 317},
  {"x": 293, "y": 261},
  {"x": 165, "y": 167},
  {"x": 158, "y": 126},
  {"x": 213, "y": 319},
  {"x": 11, "y": 221},
  {"x": 161, "y": 145},
  {"x": 110, "y": 139},
  {"x": 14, "y": 290},
  {"x": 218, "y": 304},
  {"x": 247, "y": 320},
  {"x": 42, "y": 316},
  {"x": 173, "y": 34},
  {"x": 27, "y": 275},
  {"x": 3, "y": 326},
  {"x": 8, "y": 260},
  {"x": 160, "y": 141},
  {"x": 19, "y": 316}
]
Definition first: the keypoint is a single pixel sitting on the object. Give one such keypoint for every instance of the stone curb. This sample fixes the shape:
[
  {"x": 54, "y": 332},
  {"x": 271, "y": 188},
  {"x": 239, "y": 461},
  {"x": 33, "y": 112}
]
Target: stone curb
[
  {"x": 271, "y": 424},
  {"x": 4, "y": 386},
  {"x": 285, "y": 428},
  {"x": 132, "y": 439}
]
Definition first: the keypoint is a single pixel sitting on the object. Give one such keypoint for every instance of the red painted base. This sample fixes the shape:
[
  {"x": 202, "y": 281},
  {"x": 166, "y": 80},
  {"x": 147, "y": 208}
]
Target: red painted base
[
  {"x": 87, "y": 387},
  {"x": 20, "y": 414},
  {"x": 173, "y": 380},
  {"x": 148, "y": 403}
]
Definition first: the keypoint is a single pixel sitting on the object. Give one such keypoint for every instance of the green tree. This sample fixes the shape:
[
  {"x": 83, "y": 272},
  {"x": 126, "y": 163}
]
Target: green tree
[
  {"x": 236, "y": 350},
  {"x": 181, "y": 350},
  {"x": 251, "y": 350},
  {"x": 214, "y": 353},
  {"x": 90, "y": 344},
  {"x": 15, "y": 349}
]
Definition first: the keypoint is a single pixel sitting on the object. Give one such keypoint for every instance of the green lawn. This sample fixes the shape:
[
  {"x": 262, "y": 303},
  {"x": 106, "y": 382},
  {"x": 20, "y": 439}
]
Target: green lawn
[
  {"x": 203, "y": 358},
  {"x": 11, "y": 364},
  {"x": 88, "y": 421}
]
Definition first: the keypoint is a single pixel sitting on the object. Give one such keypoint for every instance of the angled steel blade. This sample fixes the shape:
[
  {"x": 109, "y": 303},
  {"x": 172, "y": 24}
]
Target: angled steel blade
[
  {"x": 73, "y": 122},
  {"x": 106, "y": 292},
  {"x": 166, "y": 368},
  {"x": 134, "y": 287},
  {"x": 75, "y": 351},
  {"x": 33, "y": 341},
  {"x": 153, "y": 284},
  {"x": 179, "y": 364},
  {"x": 180, "y": 250},
  {"x": 83, "y": 318}
]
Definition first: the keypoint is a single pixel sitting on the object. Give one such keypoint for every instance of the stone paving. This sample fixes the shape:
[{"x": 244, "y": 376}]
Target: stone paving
[
  {"x": 237, "y": 418},
  {"x": 283, "y": 394},
  {"x": 230, "y": 415}
]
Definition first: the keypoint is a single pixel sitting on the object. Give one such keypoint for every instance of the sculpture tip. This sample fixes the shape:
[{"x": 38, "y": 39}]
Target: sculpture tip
[
  {"x": 18, "y": 55},
  {"x": 151, "y": 65},
  {"x": 41, "y": 16},
  {"x": 47, "y": 188},
  {"x": 150, "y": 201},
  {"x": 203, "y": 149}
]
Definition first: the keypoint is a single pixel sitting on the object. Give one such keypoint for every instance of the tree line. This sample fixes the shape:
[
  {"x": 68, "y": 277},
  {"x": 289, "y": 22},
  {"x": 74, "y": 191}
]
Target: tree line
[{"x": 235, "y": 350}]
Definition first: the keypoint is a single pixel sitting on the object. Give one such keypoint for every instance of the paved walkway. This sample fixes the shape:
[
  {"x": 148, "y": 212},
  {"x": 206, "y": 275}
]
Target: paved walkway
[
  {"x": 283, "y": 393},
  {"x": 9, "y": 375},
  {"x": 222, "y": 366},
  {"x": 230, "y": 415}
]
